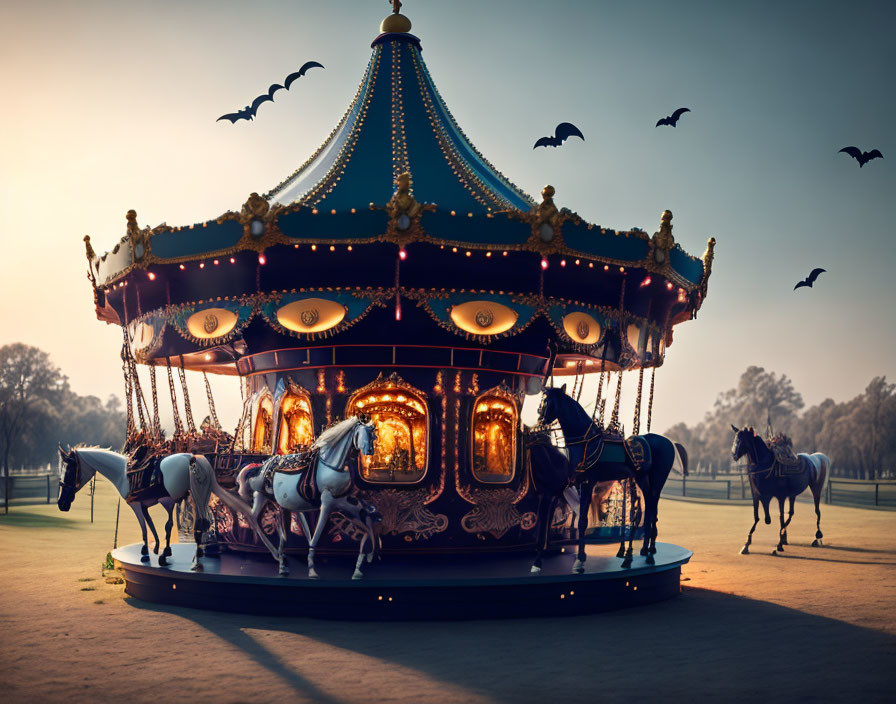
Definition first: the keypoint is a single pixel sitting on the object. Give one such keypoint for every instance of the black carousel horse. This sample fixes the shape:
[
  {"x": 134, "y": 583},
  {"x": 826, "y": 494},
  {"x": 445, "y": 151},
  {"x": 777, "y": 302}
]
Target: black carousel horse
[
  {"x": 775, "y": 475},
  {"x": 593, "y": 456}
]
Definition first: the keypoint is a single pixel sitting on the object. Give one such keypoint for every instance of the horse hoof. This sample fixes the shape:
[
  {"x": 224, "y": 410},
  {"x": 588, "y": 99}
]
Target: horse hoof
[
  {"x": 535, "y": 570},
  {"x": 144, "y": 558},
  {"x": 768, "y": 521},
  {"x": 312, "y": 574},
  {"x": 650, "y": 560},
  {"x": 283, "y": 571},
  {"x": 358, "y": 575},
  {"x": 197, "y": 567},
  {"x": 620, "y": 552},
  {"x": 162, "y": 561},
  {"x": 653, "y": 551},
  {"x": 644, "y": 551},
  {"x": 780, "y": 548},
  {"x": 745, "y": 550},
  {"x": 627, "y": 562},
  {"x": 775, "y": 553},
  {"x": 818, "y": 534},
  {"x": 816, "y": 543}
]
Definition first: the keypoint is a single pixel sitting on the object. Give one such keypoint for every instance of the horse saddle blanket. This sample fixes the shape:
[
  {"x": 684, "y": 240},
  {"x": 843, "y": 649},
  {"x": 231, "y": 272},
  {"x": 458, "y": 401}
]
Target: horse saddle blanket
[
  {"x": 144, "y": 477},
  {"x": 300, "y": 463},
  {"x": 637, "y": 449},
  {"x": 787, "y": 468}
]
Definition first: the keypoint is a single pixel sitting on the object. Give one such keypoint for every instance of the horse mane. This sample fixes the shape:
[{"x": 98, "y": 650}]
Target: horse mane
[{"x": 334, "y": 433}]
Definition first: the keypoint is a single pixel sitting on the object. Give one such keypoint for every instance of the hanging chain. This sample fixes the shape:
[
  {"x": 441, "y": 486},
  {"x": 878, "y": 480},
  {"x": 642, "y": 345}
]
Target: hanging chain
[
  {"x": 650, "y": 398},
  {"x": 156, "y": 423},
  {"x": 211, "y": 402},
  {"x": 188, "y": 410},
  {"x": 580, "y": 369},
  {"x": 178, "y": 424},
  {"x": 614, "y": 418},
  {"x": 139, "y": 399},
  {"x": 636, "y": 423},
  {"x": 126, "y": 372}
]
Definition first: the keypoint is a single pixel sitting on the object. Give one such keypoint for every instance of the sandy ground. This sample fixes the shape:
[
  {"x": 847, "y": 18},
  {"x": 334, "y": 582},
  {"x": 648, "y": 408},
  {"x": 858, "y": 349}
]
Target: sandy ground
[{"x": 818, "y": 624}]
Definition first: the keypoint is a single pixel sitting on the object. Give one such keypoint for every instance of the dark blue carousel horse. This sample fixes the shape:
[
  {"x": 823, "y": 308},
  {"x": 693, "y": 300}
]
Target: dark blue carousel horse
[
  {"x": 775, "y": 475},
  {"x": 593, "y": 457}
]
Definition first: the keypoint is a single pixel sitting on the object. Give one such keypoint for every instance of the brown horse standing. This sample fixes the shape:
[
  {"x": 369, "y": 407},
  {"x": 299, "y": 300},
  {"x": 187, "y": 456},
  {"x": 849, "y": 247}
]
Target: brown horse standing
[{"x": 769, "y": 479}]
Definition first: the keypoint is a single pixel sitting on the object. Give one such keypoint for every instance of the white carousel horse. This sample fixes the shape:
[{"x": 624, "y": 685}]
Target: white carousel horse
[
  {"x": 178, "y": 474},
  {"x": 335, "y": 449}
]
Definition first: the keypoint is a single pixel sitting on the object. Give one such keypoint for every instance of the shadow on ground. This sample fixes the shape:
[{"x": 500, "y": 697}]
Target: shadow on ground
[
  {"x": 19, "y": 517},
  {"x": 702, "y": 643}
]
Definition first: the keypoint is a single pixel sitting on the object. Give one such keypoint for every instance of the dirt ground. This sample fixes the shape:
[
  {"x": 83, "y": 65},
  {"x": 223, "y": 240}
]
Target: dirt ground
[{"x": 815, "y": 624}]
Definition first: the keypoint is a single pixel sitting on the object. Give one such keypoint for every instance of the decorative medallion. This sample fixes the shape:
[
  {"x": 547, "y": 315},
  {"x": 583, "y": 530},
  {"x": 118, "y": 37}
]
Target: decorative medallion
[
  {"x": 256, "y": 228},
  {"x": 484, "y": 318},
  {"x": 309, "y": 316},
  {"x": 583, "y": 328},
  {"x": 546, "y": 232},
  {"x": 210, "y": 324}
]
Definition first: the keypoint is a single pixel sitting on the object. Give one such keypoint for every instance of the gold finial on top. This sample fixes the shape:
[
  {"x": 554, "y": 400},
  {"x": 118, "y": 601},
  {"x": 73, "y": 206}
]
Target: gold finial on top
[{"x": 396, "y": 22}]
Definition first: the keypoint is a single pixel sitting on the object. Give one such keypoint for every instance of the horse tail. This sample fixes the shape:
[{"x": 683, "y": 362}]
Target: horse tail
[
  {"x": 202, "y": 478},
  {"x": 681, "y": 458}
]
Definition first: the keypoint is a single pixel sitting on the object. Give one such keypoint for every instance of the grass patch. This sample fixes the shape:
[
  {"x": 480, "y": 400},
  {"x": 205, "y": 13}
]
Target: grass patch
[{"x": 88, "y": 589}]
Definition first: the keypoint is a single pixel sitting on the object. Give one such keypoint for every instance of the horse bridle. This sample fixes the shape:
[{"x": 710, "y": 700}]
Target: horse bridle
[{"x": 77, "y": 474}]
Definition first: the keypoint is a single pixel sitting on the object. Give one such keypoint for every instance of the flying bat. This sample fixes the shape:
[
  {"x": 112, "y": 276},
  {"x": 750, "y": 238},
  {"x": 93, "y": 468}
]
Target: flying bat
[
  {"x": 244, "y": 114},
  {"x": 860, "y": 156},
  {"x": 563, "y": 131},
  {"x": 809, "y": 280},
  {"x": 672, "y": 120},
  {"x": 248, "y": 113}
]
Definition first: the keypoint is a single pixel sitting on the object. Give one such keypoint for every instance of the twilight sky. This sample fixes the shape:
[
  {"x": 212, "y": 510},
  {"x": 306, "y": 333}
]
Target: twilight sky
[{"x": 112, "y": 105}]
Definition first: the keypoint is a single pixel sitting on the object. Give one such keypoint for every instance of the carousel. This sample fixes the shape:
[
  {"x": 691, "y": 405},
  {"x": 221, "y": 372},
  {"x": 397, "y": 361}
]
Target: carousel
[{"x": 395, "y": 281}]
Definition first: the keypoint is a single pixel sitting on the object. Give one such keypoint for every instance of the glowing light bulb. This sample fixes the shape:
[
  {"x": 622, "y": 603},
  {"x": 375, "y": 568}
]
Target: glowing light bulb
[
  {"x": 402, "y": 254},
  {"x": 202, "y": 265},
  {"x": 262, "y": 259},
  {"x": 645, "y": 282},
  {"x": 562, "y": 262},
  {"x": 232, "y": 260},
  {"x": 215, "y": 262},
  {"x": 544, "y": 263},
  {"x": 152, "y": 276},
  {"x": 182, "y": 267}
]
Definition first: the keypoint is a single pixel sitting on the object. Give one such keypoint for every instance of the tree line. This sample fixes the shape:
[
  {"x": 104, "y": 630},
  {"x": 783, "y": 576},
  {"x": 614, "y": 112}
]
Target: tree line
[
  {"x": 859, "y": 435},
  {"x": 38, "y": 410}
]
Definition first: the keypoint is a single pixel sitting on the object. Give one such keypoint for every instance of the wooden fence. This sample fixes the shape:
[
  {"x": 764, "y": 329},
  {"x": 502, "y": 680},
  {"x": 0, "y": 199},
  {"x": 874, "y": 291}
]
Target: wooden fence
[{"x": 733, "y": 487}]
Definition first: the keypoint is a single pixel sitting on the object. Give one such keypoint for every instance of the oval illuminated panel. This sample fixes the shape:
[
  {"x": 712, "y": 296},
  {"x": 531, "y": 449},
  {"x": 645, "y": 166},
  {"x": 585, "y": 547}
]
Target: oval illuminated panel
[
  {"x": 211, "y": 323},
  {"x": 634, "y": 337},
  {"x": 582, "y": 328},
  {"x": 311, "y": 315},
  {"x": 483, "y": 317},
  {"x": 141, "y": 336}
]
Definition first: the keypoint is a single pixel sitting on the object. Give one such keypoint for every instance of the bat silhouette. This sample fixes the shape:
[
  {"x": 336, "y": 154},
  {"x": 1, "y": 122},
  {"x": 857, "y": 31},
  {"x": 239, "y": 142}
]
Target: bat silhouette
[
  {"x": 860, "y": 156},
  {"x": 672, "y": 120},
  {"x": 810, "y": 279},
  {"x": 562, "y": 132},
  {"x": 248, "y": 113}
]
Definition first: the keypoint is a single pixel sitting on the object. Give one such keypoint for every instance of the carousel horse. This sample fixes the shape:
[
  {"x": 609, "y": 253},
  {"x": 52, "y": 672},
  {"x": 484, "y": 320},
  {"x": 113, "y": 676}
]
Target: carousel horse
[
  {"x": 319, "y": 480},
  {"x": 166, "y": 482},
  {"x": 594, "y": 457},
  {"x": 774, "y": 474}
]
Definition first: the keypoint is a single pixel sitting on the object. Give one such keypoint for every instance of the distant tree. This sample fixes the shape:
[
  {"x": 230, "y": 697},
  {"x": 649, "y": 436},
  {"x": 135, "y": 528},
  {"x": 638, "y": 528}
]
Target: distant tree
[{"x": 29, "y": 386}]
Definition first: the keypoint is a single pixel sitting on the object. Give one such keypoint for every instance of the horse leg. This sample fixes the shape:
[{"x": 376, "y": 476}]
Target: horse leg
[
  {"x": 358, "y": 574},
  {"x": 780, "y": 546},
  {"x": 745, "y": 550},
  {"x": 787, "y": 522},
  {"x": 587, "y": 488},
  {"x": 627, "y": 561},
  {"x": 649, "y": 549},
  {"x": 817, "y": 488},
  {"x": 258, "y": 501},
  {"x": 283, "y": 530},
  {"x": 541, "y": 530},
  {"x": 145, "y": 509},
  {"x": 168, "y": 505},
  {"x": 144, "y": 551},
  {"x": 326, "y": 505}
]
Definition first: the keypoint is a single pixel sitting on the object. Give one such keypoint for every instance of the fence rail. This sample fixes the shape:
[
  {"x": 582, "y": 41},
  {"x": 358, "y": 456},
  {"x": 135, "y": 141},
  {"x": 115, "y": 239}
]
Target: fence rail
[{"x": 842, "y": 492}]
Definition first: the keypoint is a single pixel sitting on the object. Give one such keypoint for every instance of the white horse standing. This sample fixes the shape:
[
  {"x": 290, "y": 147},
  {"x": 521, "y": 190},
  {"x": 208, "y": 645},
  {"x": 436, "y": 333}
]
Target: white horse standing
[
  {"x": 179, "y": 474},
  {"x": 336, "y": 449}
]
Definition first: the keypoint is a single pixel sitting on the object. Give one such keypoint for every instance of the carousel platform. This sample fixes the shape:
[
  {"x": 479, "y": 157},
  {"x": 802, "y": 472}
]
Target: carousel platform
[{"x": 397, "y": 588}]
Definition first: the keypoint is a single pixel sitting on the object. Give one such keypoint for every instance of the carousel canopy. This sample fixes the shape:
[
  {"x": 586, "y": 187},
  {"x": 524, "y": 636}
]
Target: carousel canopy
[{"x": 399, "y": 220}]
